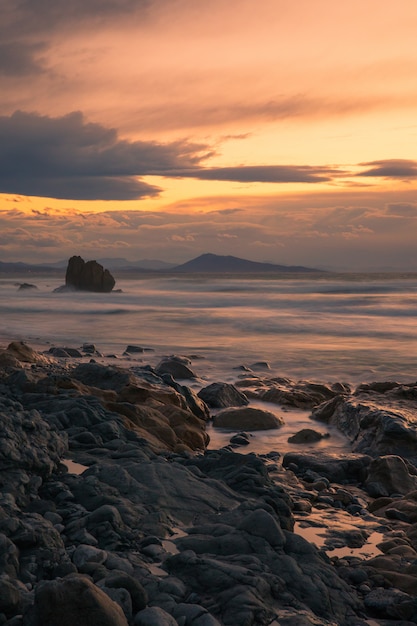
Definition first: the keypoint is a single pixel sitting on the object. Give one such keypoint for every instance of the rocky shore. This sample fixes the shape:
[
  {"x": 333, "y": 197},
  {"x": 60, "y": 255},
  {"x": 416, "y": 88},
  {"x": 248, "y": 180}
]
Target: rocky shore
[{"x": 114, "y": 511}]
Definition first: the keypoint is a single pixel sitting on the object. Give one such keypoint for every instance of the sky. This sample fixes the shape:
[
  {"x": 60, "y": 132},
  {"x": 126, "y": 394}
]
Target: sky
[{"x": 282, "y": 131}]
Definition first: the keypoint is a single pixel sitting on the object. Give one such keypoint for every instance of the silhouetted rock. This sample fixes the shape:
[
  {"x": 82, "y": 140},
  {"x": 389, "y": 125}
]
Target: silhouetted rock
[
  {"x": 26, "y": 287},
  {"x": 88, "y": 276}
]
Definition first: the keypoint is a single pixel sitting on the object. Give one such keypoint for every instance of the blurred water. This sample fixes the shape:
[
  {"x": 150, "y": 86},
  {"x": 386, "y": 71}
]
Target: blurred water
[{"x": 335, "y": 327}]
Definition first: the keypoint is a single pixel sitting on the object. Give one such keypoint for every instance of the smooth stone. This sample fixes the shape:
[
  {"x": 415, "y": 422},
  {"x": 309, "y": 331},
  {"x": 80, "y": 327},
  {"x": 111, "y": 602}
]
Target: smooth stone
[
  {"x": 306, "y": 435},
  {"x": 247, "y": 418}
]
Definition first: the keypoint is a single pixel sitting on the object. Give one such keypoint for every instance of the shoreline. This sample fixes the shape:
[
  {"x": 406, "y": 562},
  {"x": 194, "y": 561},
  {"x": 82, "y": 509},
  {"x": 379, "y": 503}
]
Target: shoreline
[{"x": 158, "y": 517}]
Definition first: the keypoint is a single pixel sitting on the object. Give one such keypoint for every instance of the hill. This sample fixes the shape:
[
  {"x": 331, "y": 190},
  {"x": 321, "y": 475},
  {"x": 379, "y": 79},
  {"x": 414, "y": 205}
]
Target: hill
[{"x": 214, "y": 263}]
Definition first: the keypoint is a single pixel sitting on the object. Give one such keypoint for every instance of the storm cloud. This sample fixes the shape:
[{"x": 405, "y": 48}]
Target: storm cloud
[{"x": 67, "y": 157}]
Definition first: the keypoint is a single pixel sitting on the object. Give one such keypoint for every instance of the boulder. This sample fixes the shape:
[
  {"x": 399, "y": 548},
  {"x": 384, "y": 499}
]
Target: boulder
[
  {"x": 177, "y": 367},
  {"x": 221, "y": 395},
  {"x": 306, "y": 435},
  {"x": 247, "y": 418},
  {"x": 387, "y": 475},
  {"x": 88, "y": 276},
  {"x": 75, "y": 600}
]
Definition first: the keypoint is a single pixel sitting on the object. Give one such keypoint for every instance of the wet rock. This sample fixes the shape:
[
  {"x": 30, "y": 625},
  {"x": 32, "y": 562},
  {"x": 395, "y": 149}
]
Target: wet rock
[
  {"x": 247, "y": 418},
  {"x": 88, "y": 276},
  {"x": 24, "y": 353},
  {"x": 176, "y": 367},
  {"x": 376, "y": 425},
  {"x": 130, "y": 349},
  {"x": 388, "y": 475},
  {"x": 341, "y": 469},
  {"x": 240, "y": 439},
  {"x": 65, "y": 352},
  {"x": 307, "y": 435},
  {"x": 26, "y": 287},
  {"x": 302, "y": 394},
  {"x": 221, "y": 395}
]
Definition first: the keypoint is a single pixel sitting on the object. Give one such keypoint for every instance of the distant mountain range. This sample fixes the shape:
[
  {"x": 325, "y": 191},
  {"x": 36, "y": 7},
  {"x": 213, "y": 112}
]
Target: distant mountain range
[
  {"x": 205, "y": 263},
  {"x": 215, "y": 263}
]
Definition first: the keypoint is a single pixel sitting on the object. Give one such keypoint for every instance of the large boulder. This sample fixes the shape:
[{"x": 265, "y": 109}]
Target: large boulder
[
  {"x": 75, "y": 600},
  {"x": 88, "y": 276}
]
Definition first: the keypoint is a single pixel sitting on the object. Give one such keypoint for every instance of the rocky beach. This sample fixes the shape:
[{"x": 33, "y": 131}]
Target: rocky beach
[{"x": 115, "y": 509}]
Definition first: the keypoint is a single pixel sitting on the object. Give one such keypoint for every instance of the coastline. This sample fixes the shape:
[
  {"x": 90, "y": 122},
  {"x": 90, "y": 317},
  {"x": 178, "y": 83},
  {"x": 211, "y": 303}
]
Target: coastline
[{"x": 161, "y": 526}]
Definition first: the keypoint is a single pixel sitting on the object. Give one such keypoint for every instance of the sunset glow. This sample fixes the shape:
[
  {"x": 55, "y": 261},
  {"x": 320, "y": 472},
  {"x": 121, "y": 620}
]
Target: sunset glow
[{"x": 282, "y": 132}]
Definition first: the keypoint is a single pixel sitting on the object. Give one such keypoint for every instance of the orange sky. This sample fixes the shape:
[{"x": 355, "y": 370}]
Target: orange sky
[{"x": 280, "y": 131}]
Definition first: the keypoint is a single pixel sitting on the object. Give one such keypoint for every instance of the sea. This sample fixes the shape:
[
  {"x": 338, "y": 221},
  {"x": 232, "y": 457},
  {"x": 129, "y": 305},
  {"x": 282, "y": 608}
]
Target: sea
[{"x": 326, "y": 328}]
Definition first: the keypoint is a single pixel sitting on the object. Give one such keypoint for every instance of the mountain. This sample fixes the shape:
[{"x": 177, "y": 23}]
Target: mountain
[
  {"x": 206, "y": 263},
  {"x": 231, "y": 264}
]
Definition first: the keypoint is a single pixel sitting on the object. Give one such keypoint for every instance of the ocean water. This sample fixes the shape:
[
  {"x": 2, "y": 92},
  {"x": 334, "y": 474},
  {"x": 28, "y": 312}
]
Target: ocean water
[{"x": 349, "y": 328}]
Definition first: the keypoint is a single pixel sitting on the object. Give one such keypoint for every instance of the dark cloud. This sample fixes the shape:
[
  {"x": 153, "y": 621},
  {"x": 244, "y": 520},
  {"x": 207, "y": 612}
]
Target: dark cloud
[
  {"x": 28, "y": 26},
  {"x": 38, "y": 18},
  {"x": 391, "y": 168},
  {"x": 68, "y": 158},
  {"x": 20, "y": 59},
  {"x": 265, "y": 174}
]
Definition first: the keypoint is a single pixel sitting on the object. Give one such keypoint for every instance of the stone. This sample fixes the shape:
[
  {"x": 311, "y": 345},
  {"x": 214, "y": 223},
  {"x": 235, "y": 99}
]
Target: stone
[
  {"x": 75, "y": 600},
  {"x": 176, "y": 367},
  {"x": 306, "y": 435},
  {"x": 26, "y": 287},
  {"x": 88, "y": 554},
  {"x": 376, "y": 424},
  {"x": 117, "y": 580},
  {"x": 221, "y": 395},
  {"x": 247, "y": 418},
  {"x": 88, "y": 276},
  {"x": 260, "y": 523},
  {"x": 154, "y": 616},
  {"x": 130, "y": 349},
  {"x": 387, "y": 475}
]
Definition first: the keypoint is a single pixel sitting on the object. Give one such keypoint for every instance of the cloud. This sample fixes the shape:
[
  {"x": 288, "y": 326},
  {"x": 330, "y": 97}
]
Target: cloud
[
  {"x": 266, "y": 174},
  {"x": 20, "y": 59},
  {"x": 402, "y": 209},
  {"x": 67, "y": 157},
  {"x": 70, "y": 158},
  {"x": 391, "y": 168}
]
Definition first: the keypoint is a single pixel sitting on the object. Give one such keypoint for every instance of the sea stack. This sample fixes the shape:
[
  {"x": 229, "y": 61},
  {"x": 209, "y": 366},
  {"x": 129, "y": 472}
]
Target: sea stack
[{"x": 88, "y": 276}]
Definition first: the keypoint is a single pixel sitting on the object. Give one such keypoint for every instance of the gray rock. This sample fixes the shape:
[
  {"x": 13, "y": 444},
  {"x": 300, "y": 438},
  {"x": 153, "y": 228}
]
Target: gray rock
[
  {"x": 377, "y": 425},
  {"x": 260, "y": 523},
  {"x": 75, "y": 600},
  {"x": 88, "y": 554},
  {"x": 221, "y": 395},
  {"x": 388, "y": 475}
]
